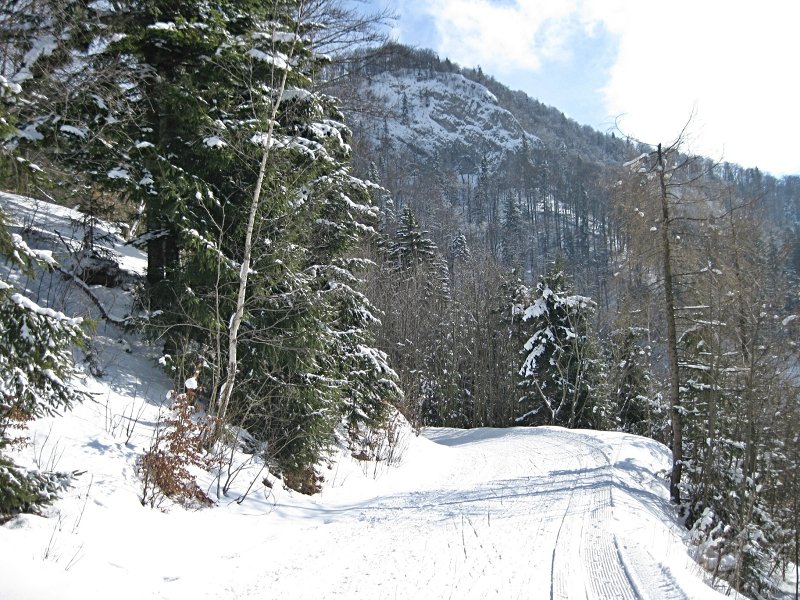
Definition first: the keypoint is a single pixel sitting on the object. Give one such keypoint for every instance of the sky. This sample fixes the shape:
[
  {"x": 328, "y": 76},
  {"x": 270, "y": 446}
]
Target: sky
[{"x": 722, "y": 70}]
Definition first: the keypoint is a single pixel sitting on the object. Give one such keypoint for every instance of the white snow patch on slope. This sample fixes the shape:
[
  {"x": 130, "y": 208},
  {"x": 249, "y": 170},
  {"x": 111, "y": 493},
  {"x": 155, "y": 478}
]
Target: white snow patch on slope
[
  {"x": 48, "y": 221},
  {"x": 437, "y": 110}
]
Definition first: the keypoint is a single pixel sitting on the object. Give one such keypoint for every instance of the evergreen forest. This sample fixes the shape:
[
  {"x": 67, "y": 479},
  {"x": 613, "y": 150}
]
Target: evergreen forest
[{"x": 340, "y": 229}]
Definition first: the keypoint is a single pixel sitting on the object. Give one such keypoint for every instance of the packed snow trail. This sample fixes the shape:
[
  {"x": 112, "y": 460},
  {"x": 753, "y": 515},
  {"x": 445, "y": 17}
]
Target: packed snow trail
[
  {"x": 540, "y": 513},
  {"x": 513, "y": 513}
]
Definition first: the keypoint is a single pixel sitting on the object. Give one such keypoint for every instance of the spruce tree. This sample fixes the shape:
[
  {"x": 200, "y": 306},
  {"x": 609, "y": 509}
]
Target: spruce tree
[
  {"x": 37, "y": 376},
  {"x": 411, "y": 246},
  {"x": 560, "y": 366},
  {"x": 250, "y": 208},
  {"x": 512, "y": 233},
  {"x": 630, "y": 382}
]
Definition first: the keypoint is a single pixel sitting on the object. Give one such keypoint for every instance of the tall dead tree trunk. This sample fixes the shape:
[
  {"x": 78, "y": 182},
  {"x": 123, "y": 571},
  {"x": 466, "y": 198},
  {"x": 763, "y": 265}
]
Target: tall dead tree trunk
[{"x": 676, "y": 417}]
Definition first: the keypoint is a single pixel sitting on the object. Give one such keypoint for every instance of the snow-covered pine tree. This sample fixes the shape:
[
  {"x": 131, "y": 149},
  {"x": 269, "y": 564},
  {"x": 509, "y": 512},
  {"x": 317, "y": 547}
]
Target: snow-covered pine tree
[
  {"x": 345, "y": 215},
  {"x": 37, "y": 375},
  {"x": 411, "y": 246},
  {"x": 244, "y": 253},
  {"x": 512, "y": 232},
  {"x": 633, "y": 399},
  {"x": 479, "y": 202},
  {"x": 415, "y": 297},
  {"x": 560, "y": 366}
]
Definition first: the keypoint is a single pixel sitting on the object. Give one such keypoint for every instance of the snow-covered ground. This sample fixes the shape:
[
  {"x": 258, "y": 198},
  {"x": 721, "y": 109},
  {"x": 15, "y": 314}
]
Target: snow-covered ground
[{"x": 486, "y": 513}]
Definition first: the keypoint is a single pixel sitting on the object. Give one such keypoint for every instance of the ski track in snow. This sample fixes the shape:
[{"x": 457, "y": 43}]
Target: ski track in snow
[{"x": 498, "y": 525}]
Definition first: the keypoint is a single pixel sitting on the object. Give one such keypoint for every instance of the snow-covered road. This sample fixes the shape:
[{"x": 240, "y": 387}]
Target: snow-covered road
[
  {"x": 514, "y": 513},
  {"x": 488, "y": 513}
]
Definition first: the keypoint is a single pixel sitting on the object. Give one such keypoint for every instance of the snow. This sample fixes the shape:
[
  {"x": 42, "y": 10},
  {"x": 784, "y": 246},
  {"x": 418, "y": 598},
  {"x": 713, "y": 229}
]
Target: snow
[
  {"x": 102, "y": 5},
  {"x": 469, "y": 514},
  {"x": 284, "y": 36},
  {"x": 636, "y": 161},
  {"x": 520, "y": 512},
  {"x": 46, "y": 221},
  {"x": 118, "y": 173},
  {"x": 162, "y": 26},
  {"x": 214, "y": 142},
  {"x": 296, "y": 94},
  {"x": 43, "y": 45},
  {"x": 33, "y": 307},
  {"x": 76, "y": 131},
  {"x": 442, "y": 110},
  {"x": 276, "y": 59},
  {"x": 30, "y": 133}
]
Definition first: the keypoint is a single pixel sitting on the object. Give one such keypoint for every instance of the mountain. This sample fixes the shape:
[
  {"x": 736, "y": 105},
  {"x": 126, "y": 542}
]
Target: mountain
[
  {"x": 428, "y": 130},
  {"x": 432, "y": 105},
  {"x": 442, "y": 113}
]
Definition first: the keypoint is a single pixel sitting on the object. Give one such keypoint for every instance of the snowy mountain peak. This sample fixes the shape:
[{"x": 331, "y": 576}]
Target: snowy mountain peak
[{"x": 432, "y": 112}]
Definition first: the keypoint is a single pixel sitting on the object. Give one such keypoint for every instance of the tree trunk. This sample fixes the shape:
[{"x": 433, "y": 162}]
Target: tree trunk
[
  {"x": 236, "y": 319},
  {"x": 672, "y": 338}
]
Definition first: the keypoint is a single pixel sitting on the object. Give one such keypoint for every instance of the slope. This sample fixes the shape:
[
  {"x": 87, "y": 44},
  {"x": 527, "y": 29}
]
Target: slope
[
  {"x": 486, "y": 513},
  {"x": 442, "y": 113}
]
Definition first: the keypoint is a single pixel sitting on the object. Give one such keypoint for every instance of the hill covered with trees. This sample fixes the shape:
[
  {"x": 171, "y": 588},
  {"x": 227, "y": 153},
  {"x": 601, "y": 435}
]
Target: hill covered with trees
[{"x": 431, "y": 242}]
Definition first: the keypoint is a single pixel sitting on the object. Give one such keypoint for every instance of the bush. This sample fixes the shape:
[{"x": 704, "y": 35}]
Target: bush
[
  {"x": 22, "y": 491},
  {"x": 165, "y": 467}
]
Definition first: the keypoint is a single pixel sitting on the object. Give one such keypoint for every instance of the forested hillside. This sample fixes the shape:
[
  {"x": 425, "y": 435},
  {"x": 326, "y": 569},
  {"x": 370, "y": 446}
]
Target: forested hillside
[
  {"x": 565, "y": 276},
  {"x": 334, "y": 234}
]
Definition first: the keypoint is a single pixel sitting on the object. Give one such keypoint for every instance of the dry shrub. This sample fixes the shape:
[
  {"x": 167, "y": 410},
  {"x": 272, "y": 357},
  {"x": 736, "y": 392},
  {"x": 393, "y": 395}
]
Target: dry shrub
[
  {"x": 304, "y": 480},
  {"x": 177, "y": 446}
]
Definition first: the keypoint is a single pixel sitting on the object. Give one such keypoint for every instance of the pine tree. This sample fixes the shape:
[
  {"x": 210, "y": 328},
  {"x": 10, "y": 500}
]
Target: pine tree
[
  {"x": 512, "y": 232},
  {"x": 37, "y": 375},
  {"x": 479, "y": 205},
  {"x": 458, "y": 257},
  {"x": 560, "y": 367},
  {"x": 630, "y": 382},
  {"x": 411, "y": 246}
]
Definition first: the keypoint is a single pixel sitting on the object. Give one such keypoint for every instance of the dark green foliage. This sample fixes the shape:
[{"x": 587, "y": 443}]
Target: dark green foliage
[
  {"x": 412, "y": 246},
  {"x": 560, "y": 368},
  {"x": 480, "y": 201},
  {"x": 630, "y": 382},
  {"x": 35, "y": 359},
  {"x": 513, "y": 232},
  {"x": 24, "y": 491}
]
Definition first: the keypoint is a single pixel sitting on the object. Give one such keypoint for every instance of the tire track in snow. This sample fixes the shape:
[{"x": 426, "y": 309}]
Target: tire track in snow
[{"x": 612, "y": 569}]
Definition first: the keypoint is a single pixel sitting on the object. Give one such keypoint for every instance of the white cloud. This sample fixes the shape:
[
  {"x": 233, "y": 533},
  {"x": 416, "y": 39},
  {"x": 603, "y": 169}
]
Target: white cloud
[
  {"x": 731, "y": 62},
  {"x": 499, "y": 37}
]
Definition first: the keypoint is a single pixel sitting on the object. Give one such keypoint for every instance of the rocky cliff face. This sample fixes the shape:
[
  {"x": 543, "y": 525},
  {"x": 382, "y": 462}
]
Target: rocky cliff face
[{"x": 433, "y": 114}]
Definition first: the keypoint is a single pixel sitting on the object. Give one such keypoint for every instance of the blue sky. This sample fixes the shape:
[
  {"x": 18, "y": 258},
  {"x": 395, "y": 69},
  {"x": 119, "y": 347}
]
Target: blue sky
[{"x": 645, "y": 66}]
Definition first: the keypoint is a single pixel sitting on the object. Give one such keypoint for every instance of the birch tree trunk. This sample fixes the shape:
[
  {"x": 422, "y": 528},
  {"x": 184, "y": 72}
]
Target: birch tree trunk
[{"x": 244, "y": 271}]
